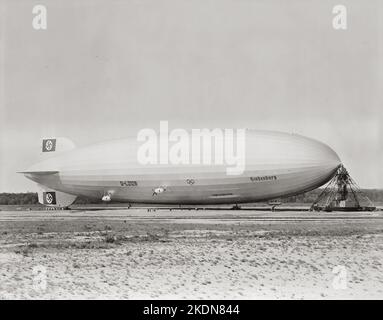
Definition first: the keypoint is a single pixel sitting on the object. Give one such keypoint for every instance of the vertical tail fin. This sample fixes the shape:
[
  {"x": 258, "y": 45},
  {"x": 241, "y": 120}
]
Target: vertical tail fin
[
  {"x": 54, "y": 145},
  {"x": 54, "y": 198}
]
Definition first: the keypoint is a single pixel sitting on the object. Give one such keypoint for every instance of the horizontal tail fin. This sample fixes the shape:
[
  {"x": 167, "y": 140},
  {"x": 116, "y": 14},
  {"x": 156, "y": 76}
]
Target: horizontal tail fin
[{"x": 42, "y": 173}]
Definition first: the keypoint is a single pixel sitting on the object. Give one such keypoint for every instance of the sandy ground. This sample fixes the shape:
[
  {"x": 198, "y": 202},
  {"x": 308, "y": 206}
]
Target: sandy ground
[{"x": 134, "y": 254}]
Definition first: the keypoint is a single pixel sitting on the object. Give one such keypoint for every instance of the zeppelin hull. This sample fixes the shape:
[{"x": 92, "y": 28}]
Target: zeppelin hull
[
  {"x": 276, "y": 165},
  {"x": 200, "y": 191}
]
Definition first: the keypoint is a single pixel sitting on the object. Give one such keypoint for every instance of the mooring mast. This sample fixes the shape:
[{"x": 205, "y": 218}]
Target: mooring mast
[{"x": 342, "y": 194}]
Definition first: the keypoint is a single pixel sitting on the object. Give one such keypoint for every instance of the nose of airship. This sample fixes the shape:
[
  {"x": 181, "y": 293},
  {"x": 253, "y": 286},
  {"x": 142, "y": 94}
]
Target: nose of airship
[{"x": 319, "y": 153}]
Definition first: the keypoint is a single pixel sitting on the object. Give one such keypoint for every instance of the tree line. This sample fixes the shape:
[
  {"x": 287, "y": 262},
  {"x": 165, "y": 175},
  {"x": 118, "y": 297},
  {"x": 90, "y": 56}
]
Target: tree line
[{"x": 30, "y": 198}]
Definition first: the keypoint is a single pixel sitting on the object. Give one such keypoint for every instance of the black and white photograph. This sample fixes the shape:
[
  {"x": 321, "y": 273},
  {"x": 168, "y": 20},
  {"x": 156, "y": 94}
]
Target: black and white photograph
[{"x": 191, "y": 150}]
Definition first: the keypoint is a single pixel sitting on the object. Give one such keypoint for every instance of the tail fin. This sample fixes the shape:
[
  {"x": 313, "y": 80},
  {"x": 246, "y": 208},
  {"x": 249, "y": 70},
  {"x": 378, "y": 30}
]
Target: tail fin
[
  {"x": 49, "y": 147},
  {"x": 53, "y": 198},
  {"x": 54, "y": 145}
]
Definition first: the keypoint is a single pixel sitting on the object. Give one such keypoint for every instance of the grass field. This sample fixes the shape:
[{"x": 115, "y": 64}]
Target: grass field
[{"x": 98, "y": 257}]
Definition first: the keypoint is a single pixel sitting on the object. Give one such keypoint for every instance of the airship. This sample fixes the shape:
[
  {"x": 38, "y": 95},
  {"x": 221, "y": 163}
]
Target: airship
[{"x": 276, "y": 165}]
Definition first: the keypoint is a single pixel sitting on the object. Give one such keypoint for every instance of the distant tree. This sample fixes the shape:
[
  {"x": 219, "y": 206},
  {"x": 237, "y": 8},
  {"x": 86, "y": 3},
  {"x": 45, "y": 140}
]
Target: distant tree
[
  {"x": 30, "y": 198},
  {"x": 18, "y": 198}
]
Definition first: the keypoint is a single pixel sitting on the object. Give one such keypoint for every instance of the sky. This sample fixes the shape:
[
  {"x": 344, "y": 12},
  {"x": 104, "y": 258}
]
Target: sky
[{"x": 103, "y": 70}]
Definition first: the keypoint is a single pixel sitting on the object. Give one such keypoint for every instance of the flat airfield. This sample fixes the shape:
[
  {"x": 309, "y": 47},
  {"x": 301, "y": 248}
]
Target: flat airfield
[{"x": 190, "y": 254}]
